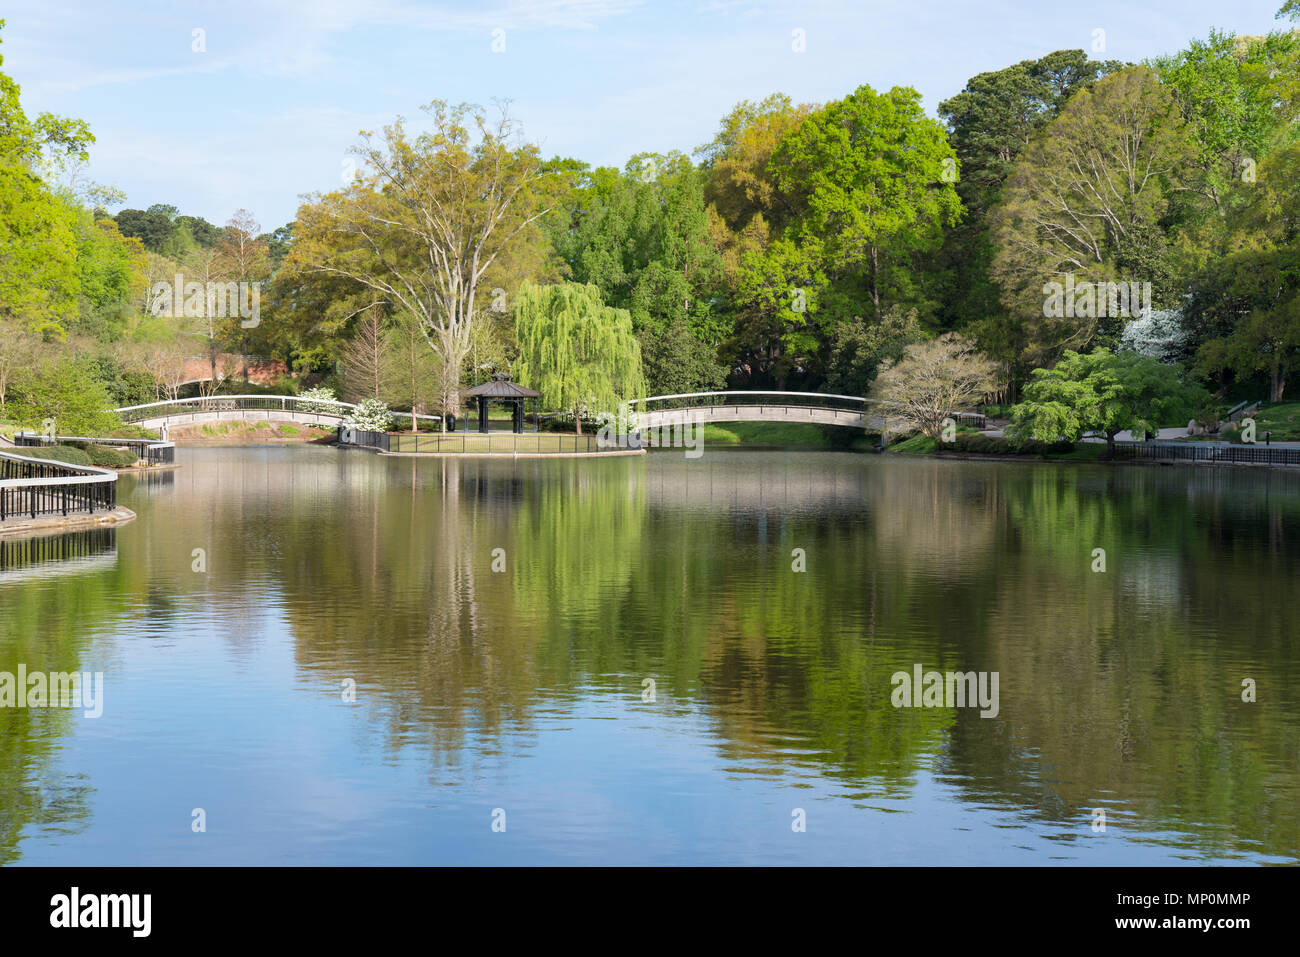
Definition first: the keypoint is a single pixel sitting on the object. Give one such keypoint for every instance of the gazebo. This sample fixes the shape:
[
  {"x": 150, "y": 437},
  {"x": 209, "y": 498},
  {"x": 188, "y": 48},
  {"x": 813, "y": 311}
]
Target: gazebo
[{"x": 500, "y": 387}]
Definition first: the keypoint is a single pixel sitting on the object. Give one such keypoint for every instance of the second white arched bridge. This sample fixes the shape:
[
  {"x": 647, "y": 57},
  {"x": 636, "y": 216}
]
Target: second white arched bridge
[{"x": 817, "y": 408}]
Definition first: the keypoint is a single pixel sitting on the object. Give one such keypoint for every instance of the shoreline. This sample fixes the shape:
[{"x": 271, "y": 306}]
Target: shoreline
[
  {"x": 1061, "y": 460},
  {"x": 119, "y": 515}
]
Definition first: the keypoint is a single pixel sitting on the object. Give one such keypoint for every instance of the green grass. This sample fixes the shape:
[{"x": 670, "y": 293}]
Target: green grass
[
  {"x": 287, "y": 429},
  {"x": 767, "y": 433},
  {"x": 1282, "y": 419},
  {"x": 919, "y": 444}
]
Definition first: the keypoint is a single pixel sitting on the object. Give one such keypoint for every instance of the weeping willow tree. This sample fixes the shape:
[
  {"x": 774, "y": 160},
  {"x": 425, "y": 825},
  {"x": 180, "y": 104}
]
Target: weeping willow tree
[{"x": 579, "y": 353}]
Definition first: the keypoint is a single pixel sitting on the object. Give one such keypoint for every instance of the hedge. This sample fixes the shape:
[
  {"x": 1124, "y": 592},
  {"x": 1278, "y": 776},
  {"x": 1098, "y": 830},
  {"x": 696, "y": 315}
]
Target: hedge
[
  {"x": 56, "y": 453},
  {"x": 976, "y": 444},
  {"x": 108, "y": 458}
]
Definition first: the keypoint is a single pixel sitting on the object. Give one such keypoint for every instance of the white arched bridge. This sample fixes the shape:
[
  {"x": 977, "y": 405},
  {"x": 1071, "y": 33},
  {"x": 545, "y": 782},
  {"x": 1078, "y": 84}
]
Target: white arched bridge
[
  {"x": 237, "y": 408},
  {"x": 817, "y": 408},
  {"x": 654, "y": 412}
]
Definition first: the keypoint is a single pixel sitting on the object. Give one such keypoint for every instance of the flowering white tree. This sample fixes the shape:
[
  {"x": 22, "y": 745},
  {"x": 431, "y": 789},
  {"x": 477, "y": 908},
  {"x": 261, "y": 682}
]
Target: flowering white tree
[{"x": 1158, "y": 335}]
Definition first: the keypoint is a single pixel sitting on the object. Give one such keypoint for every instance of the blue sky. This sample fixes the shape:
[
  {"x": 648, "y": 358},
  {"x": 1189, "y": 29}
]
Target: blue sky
[{"x": 268, "y": 110}]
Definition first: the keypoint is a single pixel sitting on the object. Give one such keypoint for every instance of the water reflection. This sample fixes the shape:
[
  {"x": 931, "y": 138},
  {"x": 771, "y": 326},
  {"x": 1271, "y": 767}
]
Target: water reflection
[{"x": 489, "y": 611}]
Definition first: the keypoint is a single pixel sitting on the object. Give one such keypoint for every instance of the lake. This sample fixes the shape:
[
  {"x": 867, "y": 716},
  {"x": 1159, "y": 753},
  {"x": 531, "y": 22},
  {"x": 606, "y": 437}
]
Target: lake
[{"x": 316, "y": 656}]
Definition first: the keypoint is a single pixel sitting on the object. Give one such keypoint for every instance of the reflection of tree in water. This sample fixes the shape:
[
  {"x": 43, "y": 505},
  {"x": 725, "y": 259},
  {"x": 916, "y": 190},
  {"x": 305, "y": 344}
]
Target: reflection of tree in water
[
  {"x": 681, "y": 571},
  {"x": 54, "y": 591},
  {"x": 1122, "y": 689}
]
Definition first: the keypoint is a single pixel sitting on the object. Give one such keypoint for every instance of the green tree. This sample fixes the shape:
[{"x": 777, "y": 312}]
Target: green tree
[
  {"x": 67, "y": 390},
  {"x": 579, "y": 353},
  {"x": 859, "y": 349},
  {"x": 1245, "y": 301},
  {"x": 1104, "y": 392},
  {"x": 990, "y": 122},
  {"x": 1087, "y": 198},
  {"x": 870, "y": 171},
  {"x": 1230, "y": 91},
  {"x": 641, "y": 236},
  {"x": 676, "y": 362}
]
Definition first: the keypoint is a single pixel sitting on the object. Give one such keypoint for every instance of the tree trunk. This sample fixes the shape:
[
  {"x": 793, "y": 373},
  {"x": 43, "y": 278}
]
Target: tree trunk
[
  {"x": 875, "y": 280},
  {"x": 1110, "y": 445},
  {"x": 577, "y": 422},
  {"x": 1278, "y": 383}
]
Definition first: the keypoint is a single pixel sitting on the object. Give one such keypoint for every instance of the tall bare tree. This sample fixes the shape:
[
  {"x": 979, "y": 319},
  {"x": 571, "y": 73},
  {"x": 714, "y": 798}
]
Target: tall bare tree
[
  {"x": 167, "y": 365},
  {"x": 363, "y": 357},
  {"x": 427, "y": 222},
  {"x": 244, "y": 258}
]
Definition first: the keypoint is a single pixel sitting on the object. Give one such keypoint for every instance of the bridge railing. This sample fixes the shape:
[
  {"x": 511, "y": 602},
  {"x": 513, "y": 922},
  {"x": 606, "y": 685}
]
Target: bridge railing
[
  {"x": 243, "y": 403},
  {"x": 783, "y": 400},
  {"x": 33, "y": 487},
  {"x": 800, "y": 400},
  {"x": 233, "y": 403}
]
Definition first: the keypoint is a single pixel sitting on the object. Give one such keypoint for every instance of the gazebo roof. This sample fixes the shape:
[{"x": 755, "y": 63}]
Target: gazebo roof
[{"x": 500, "y": 387}]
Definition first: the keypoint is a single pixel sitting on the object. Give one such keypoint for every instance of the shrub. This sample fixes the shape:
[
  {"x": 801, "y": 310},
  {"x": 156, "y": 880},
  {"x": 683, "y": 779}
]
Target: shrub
[
  {"x": 371, "y": 416},
  {"x": 108, "y": 458},
  {"x": 316, "y": 399},
  {"x": 972, "y": 443},
  {"x": 1024, "y": 445}
]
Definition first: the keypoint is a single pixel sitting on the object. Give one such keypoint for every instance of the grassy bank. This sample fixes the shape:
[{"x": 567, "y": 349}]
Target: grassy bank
[
  {"x": 250, "y": 433},
  {"x": 969, "y": 442}
]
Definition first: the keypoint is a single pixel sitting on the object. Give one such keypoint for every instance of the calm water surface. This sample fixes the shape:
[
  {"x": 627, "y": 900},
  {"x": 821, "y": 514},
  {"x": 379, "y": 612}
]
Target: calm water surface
[{"x": 528, "y": 690}]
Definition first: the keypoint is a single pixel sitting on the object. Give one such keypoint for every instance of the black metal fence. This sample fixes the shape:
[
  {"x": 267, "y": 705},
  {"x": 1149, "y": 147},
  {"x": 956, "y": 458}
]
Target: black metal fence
[
  {"x": 365, "y": 440},
  {"x": 1205, "y": 452},
  {"x": 496, "y": 443},
  {"x": 34, "y": 487}
]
